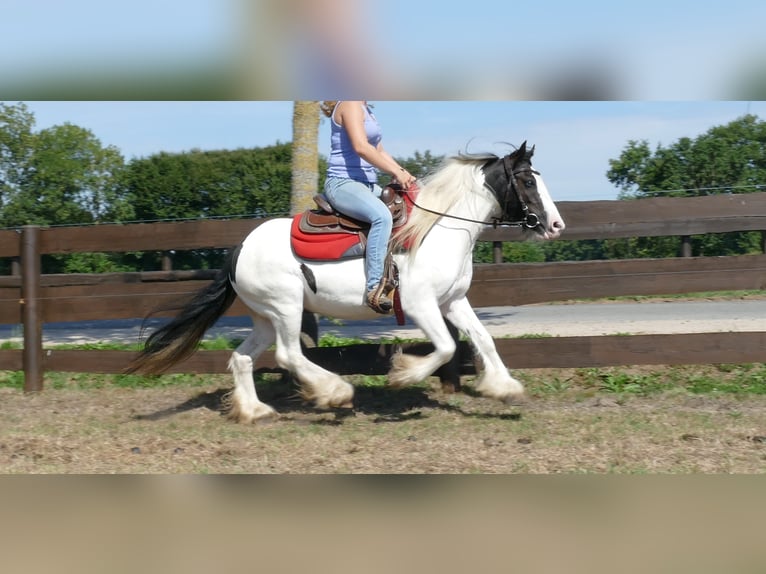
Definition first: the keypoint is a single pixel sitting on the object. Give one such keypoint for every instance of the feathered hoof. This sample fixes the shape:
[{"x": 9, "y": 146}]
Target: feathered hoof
[
  {"x": 396, "y": 382},
  {"x": 327, "y": 404},
  {"x": 339, "y": 396},
  {"x": 259, "y": 415},
  {"x": 404, "y": 371}
]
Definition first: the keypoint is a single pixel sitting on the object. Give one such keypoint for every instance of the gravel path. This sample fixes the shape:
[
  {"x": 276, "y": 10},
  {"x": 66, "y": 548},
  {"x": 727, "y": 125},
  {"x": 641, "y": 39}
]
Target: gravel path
[{"x": 580, "y": 319}]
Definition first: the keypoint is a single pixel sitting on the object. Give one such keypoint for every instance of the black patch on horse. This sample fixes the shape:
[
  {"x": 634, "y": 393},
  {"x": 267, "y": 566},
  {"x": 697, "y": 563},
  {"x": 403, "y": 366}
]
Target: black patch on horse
[
  {"x": 310, "y": 279},
  {"x": 231, "y": 263}
]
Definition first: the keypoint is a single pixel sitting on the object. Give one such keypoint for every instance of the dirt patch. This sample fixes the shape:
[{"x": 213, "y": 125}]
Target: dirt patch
[{"x": 180, "y": 429}]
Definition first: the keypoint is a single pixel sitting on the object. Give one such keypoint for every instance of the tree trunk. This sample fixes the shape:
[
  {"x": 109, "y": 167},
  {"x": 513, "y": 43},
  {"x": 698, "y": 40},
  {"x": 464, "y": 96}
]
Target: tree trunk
[{"x": 305, "y": 163}]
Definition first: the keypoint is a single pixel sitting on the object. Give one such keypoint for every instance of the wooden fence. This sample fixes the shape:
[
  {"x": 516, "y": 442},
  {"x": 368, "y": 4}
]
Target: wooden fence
[{"x": 31, "y": 299}]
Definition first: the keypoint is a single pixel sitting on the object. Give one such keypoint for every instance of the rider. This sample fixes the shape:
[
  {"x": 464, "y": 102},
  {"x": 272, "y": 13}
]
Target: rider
[{"x": 351, "y": 186}]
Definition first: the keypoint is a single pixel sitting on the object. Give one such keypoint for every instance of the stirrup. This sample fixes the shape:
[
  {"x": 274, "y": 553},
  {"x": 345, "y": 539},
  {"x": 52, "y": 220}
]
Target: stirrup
[{"x": 378, "y": 299}]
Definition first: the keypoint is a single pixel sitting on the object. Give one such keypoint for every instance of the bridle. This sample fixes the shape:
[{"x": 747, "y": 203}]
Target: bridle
[{"x": 530, "y": 220}]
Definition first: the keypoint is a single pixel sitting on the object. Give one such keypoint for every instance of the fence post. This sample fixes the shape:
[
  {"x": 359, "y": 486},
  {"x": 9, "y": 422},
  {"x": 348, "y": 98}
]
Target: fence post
[
  {"x": 31, "y": 313},
  {"x": 497, "y": 251},
  {"x": 686, "y": 246},
  {"x": 167, "y": 260}
]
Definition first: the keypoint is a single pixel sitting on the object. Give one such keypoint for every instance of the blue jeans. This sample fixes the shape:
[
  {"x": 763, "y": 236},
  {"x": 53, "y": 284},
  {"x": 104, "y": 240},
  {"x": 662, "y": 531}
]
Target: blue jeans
[{"x": 362, "y": 201}]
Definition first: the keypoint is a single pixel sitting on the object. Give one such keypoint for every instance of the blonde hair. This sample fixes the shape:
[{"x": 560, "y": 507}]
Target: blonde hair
[{"x": 328, "y": 107}]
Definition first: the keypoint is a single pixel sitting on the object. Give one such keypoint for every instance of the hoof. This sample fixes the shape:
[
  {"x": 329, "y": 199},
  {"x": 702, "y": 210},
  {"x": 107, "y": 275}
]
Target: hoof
[
  {"x": 394, "y": 383},
  {"x": 267, "y": 416},
  {"x": 342, "y": 397},
  {"x": 516, "y": 400},
  {"x": 344, "y": 413},
  {"x": 261, "y": 415},
  {"x": 328, "y": 405}
]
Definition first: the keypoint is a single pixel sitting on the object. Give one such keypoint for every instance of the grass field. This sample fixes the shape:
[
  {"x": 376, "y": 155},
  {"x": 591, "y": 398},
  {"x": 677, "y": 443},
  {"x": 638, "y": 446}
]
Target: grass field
[{"x": 680, "y": 420}]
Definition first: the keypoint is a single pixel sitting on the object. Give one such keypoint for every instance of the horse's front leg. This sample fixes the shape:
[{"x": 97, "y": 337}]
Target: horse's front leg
[
  {"x": 495, "y": 381},
  {"x": 411, "y": 369}
]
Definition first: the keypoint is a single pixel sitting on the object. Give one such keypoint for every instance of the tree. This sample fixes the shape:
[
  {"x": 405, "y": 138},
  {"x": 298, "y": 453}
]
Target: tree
[
  {"x": 73, "y": 179},
  {"x": 197, "y": 184},
  {"x": 421, "y": 164},
  {"x": 726, "y": 159},
  {"x": 16, "y": 147},
  {"x": 305, "y": 158},
  {"x": 513, "y": 252},
  {"x": 60, "y": 175}
]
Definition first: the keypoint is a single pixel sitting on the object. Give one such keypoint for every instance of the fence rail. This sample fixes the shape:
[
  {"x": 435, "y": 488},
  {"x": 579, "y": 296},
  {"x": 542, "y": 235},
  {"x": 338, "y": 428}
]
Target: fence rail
[{"x": 31, "y": 299}]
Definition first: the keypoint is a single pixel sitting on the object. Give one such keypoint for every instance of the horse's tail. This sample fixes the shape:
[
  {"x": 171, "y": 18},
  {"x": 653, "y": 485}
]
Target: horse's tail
[{"x": 178, "y": 339}]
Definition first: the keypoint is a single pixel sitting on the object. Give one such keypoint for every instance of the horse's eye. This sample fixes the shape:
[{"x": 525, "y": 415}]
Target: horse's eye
[{"x": 530, "y": 183}]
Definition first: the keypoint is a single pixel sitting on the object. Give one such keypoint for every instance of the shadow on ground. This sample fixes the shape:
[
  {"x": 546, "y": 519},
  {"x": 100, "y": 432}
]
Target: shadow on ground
[{"x": 385, "y": 404}]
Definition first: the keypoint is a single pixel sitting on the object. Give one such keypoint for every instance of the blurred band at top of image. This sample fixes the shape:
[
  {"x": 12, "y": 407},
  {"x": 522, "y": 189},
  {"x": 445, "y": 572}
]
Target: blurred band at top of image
[{"x": 397, "y": 49}]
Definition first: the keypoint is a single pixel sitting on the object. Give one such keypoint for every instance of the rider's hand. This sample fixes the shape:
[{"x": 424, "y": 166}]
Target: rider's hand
[{"x": 404, "y": 178}]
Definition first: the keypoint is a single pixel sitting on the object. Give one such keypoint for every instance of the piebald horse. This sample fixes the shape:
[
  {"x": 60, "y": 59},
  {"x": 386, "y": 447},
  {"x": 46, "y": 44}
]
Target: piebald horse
[{"x": 433, "y": 253}]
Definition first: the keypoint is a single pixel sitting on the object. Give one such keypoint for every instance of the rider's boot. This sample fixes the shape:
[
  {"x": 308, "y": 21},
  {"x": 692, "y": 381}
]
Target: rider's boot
[{"x": 380, "y": 299}]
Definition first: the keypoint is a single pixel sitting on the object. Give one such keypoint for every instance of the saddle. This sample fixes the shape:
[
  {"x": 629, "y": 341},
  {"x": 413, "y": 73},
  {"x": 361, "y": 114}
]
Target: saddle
[{"x": 325, "y": 234}]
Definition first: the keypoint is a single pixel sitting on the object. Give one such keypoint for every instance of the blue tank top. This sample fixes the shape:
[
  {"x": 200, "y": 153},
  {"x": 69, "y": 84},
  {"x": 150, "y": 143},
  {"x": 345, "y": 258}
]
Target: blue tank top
[{"x": 344, "y": 161}]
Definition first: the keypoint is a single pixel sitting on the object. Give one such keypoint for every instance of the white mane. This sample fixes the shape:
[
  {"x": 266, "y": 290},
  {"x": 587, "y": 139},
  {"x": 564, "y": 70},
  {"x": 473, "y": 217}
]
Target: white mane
[{"x": 457, "y": 177}]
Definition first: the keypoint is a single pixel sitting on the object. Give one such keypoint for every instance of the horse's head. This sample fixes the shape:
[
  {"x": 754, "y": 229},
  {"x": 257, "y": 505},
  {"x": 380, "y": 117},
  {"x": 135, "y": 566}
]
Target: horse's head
[{"x": 522, "y": 194}]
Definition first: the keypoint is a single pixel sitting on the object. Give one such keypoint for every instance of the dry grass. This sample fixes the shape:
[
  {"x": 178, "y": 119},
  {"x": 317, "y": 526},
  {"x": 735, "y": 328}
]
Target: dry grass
[{"x": 573, "y": 428}]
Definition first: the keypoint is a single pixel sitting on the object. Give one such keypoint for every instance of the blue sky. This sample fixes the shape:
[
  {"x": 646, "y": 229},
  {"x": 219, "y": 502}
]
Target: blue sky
[
  {"x": 49, "y": 33},
  {"x": 650, "y": 49},
  {"x": 485, "y": 49},
  {"x": 674, "y": 64},
  {"x": 574, "y": 140}
]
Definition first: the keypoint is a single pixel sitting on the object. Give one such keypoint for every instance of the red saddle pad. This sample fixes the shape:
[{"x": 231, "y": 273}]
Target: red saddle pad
[{"x": 324, "y": 246}]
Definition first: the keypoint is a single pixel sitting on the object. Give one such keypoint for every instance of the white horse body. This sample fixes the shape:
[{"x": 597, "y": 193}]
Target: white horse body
[
  {"x": 267, "y": 276},
  {"x": 444, "y": 269},
  {"x": 433, "y": 282}
]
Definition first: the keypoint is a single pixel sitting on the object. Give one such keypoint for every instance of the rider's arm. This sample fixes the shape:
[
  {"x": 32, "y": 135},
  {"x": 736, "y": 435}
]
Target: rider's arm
[{"x": 351, "y": 116}]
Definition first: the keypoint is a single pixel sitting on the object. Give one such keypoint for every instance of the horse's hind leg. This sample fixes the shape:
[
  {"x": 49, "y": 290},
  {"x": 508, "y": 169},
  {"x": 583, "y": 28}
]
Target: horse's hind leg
[
  {"x": 324, "y": 388},
  {"x": 244, "y": 406}
]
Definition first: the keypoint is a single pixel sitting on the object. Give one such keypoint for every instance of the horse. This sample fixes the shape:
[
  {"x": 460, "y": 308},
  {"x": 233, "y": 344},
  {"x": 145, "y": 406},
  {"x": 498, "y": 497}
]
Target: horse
[{"x": 433, "y": 254}]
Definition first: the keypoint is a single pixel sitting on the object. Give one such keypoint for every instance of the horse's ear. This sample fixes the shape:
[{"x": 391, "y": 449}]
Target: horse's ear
[
  {"x": 532, "y": 151},
  {"x": 519, "y": 153}
]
